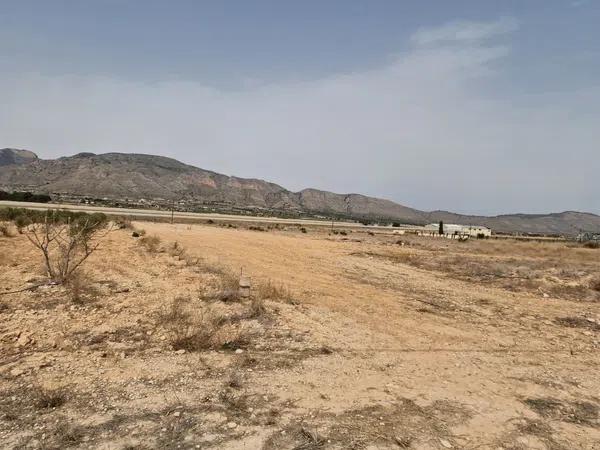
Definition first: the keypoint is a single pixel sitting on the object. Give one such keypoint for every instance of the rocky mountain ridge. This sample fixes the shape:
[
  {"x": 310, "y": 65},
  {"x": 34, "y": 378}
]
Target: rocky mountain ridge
[{"x": 139, "y": 176}]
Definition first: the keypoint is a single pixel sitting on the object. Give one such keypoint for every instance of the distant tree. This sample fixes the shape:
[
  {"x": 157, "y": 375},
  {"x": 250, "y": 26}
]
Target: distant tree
[
  {"x": 24, "y": 197},
  {"x": 441, "y": 230},
  {"x": 396, "y": 224}
]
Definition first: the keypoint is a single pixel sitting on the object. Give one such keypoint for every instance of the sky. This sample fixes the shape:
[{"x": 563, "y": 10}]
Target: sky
[{"x": 480, "y": 107}]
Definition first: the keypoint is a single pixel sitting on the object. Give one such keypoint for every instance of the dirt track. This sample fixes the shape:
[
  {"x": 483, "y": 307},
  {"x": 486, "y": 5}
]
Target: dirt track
[{"x": 482, "y": 347}]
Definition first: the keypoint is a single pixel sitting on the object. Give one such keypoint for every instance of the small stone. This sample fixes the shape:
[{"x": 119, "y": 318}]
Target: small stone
[
  {"x": 17, "y": 372},
  {"x": 445, "y": 443},
  {"x": 239, "y": 350},
  {"x": 231, "y": 425},
  {"x": 163, "y": 338},
  {"x": 177, "y": 413},
  {"x": 180, "y": 352},
  {"x": 543, "y": 295},
  {"x": 23, "y": 340}
]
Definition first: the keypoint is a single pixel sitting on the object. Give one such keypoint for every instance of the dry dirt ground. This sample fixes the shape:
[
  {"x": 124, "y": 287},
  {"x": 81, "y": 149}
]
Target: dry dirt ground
[{"x": 348, "y": 341}]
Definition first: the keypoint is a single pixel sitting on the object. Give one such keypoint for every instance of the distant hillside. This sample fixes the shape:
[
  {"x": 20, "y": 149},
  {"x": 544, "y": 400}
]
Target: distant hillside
[
  {"x": 9, "y": 156},
  {"x": 138, "y": 176}
]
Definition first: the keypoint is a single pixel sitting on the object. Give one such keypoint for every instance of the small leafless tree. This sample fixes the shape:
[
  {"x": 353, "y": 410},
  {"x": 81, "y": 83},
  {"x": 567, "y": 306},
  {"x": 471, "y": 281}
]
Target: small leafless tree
[{"x": 65, "y": 246}]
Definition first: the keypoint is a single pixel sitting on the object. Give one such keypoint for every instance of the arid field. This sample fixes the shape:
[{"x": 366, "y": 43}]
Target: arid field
[{"x": 348, "y": 340}]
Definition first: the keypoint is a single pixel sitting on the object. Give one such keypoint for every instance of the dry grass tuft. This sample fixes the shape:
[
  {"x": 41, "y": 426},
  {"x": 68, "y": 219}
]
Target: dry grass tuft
[
  {"x": 68, "y": 435},
  {"x": 49, "y": 398},
  {"x": 577, "y": 322},
  {"x": 151, "y": 243},
  {"x": 196, "y": 327},
  {"x": 234, "y": 403},
  {"x": 236, "y": 380},
  {"x": 311, "y": 439},
  {"x": 176, "y": 250},
  {"x": 274, "y": 291},
  {"x": 203, "y": 266},
  {"x": 6, "y": 230},
  {"x": 229, "y": 288},
  {"x": 257, "y": 308},
  {"x": 582, "y": 413},
  {"x": 79, "y": 287}
]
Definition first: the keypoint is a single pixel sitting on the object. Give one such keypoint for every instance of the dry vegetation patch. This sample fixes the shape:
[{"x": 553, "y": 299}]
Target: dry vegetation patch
[
  {"x": 196, "y": 327},
  {"x": 151, "y": 243},
  {"x": 153, "y": 347},
  {"x": 578, "y": 322},
  {"x": 402, "y": 424},
  {"x": 581, "y": 413},
  {"x": 555, "y": 269}
]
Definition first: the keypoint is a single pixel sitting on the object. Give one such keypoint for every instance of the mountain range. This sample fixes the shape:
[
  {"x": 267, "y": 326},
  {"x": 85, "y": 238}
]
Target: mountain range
[{"x": 137, "y": 176}]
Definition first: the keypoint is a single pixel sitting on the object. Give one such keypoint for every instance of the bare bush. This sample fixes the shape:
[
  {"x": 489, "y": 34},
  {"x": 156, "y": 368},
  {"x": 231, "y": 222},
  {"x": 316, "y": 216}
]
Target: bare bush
[
  {"x": 257, "y": 308},
  {"x": 274, "y": 291},
  {"x": 151, "y": 243},
  {"x": 65, "y": 246},
  {"x": 48, "y": 398},
  {"x": 200, "y": 327},
  {"x": 5, "y": 230},
  {"x": 176, "y": 250},
  {"x": 595, "y": 284},
  {"x": 229, "y": 288},
  {"x": 203, "y": 265},
  {"x": 79, "y": 287}
]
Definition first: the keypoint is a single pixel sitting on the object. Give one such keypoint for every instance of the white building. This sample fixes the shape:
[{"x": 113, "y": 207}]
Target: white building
[{"x": 451, "y": 229}]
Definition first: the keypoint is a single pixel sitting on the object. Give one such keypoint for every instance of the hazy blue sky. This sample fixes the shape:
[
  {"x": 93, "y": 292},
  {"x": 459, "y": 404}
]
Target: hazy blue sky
[{"x": 472, "y": 106}]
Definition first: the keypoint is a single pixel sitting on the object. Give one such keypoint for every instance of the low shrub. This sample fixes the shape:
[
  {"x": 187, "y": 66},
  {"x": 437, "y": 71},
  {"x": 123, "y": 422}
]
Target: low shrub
[
  {"x": 49, "y": 398},
  {"x": 200, "y": 327},
  {"x": 176, "y": 250},
  {"x": 80, "y": 287},
  {"x": 273, "y": 291},
  {"x": 124, "y": 223},
  {"x": 229, "y": 289},
  {"x": 257, "y": 308},
  {"x": 151, "y": 243},
  {"x": 5, "y": 230}
]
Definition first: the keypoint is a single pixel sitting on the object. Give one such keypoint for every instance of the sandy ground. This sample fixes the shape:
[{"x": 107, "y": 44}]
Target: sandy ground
[{"x": 371, "y": 350}]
